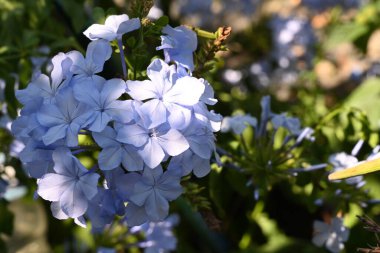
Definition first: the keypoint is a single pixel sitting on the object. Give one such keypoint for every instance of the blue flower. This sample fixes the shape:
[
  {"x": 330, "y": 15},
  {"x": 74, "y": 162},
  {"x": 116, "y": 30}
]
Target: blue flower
[
  {"x": 105, "y": 250},
  {"x": 168, "y": 95},
  {"x": 331, "y": 235},
  {"x": 98, "y": 52},
  {"x": 37, "y": 157},
  {"x": 115, "y": 153},
  {"x": 159, "y": 236},
  {"x": 154, "y": 189},
  {"x": 290, "y": 123},
  {"x": 179, "y": 44},
  {"x": 103, "y": 208},
  {"x": 188, "y": 162},
  {"x": 238, "y": 123},
  {"x": 101, "y": 97},
  {"x": 153, "y": 143},
  {"x": 71, "y": 184},
  {"x": 201, "y": 139},
  {"x": 135, "y": 215},
  {"x": 47, "y": 88},
  {"x": 114, "y": 28},
  {"x": 64, "y": 119}
]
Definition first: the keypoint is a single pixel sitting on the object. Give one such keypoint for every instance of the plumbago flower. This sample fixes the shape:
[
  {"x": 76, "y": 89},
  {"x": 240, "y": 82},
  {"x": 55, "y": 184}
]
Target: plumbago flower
[
  {"x": 71, "y": 185},
  {"x": 332, "y": 235},
  {"x": 159, "y": 236},
  {"x": 114, "y": 27},
  {"x": 169, "y": 96},
  {"x": 179, "y": 45},
  {"x": 147, "y": 143}
]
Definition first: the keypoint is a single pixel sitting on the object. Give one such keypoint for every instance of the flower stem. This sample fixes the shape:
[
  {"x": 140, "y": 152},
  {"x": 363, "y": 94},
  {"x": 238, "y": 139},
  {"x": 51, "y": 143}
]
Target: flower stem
[
  {"x": 203, "y": 33},
  {"x": 122, "y": 58}
]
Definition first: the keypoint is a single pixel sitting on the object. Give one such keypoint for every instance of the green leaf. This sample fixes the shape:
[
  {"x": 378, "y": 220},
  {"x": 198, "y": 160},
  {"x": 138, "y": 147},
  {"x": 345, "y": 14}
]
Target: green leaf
[
  {"x": 162, "y": 21},
  {"x": 345, "y": 33},
  {"x": 367, "y": 98}
]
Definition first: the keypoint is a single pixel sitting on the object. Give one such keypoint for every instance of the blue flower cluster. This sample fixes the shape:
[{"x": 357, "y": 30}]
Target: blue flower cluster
[{"x": 147, "y": 143}]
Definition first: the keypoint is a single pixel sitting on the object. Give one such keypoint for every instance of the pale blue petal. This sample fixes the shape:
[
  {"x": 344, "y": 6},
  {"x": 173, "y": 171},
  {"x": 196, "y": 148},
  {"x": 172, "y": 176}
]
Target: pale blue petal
[
  {"x": 112, "y": 90},
  {"x": 96, "y": 31},
  {"x": 156, "y": 207},
  {"x": 51, "y": 186},
  {"x": 79, "y": 63},
  {"x": 140, "y": 193},
  {"x": 50, "y": 115},
  {"x": 201, "y": 166},
  {"x": 38, "y": 169},
  {"x": 87, "y": 92},
  {"x": 39, "y": 88},
  {"x": 99, "y": 121},
  {"x": 107, "y": 138},
  {"x": 161, "y": 75},
  {"x": 87, "y": 184},
  {"x": 128, "y": 26},
  {"x": 97, "y": 53},
  {"x": 114, "y": 21},
  {"x": 133, "y": 134},
  {"x": 169, "y": 185},
  {"x": 153, "y": 113},
  {"x": 110, "y": 157},
  {"x": 55, "y": 133},
  {"x": 173, "y": 142},
  {"x": 141, "y": 90},
  {"x": 63, "y": 162},
  {"x": 72, "y": 135},
  {"x": 121, "y": 111},
  {"x": 73, "y": 202},
  {"x": 179, "y": 117},
  {"x": 186, "y": 91},
  {"x": 61, "y": 70},
  {"x": 124, "y": 183},
  {"x": 131, "y": 160},
  {"x": 152, "y": 153},
  {"x": 135, "y": 215},
  {"x": 151, "y": 175},
  {"x": 57, "y": 212}
]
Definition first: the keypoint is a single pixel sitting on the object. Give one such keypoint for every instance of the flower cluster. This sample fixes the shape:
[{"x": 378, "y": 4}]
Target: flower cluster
[
  {"x": 332, "y": 234},
  {"x": 147, "y": 143}
]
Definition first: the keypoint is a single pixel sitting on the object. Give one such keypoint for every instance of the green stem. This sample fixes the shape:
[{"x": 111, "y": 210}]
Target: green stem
[
  {"x": 328, "y": 117},
  {"x": 203, "y": 33}
]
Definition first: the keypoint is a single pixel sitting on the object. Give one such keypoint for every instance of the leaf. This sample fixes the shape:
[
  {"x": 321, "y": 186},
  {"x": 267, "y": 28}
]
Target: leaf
[
  {"x": 367, "y": 98},
  {"x": 345, "y": 33},
  {"x": 162, "y": 21}
]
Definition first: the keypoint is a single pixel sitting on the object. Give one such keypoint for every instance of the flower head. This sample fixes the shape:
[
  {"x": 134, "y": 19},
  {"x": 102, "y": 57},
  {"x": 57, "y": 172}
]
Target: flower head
[
  {"x": 331, "y": 235},
  {"x": 114, "y": 28},
  {"x": 178, "y": 44}
]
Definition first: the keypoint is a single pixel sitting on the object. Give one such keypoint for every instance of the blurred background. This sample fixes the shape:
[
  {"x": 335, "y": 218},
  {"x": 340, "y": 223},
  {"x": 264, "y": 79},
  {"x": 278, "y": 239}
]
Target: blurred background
[{"x": 311, "y": 56}]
